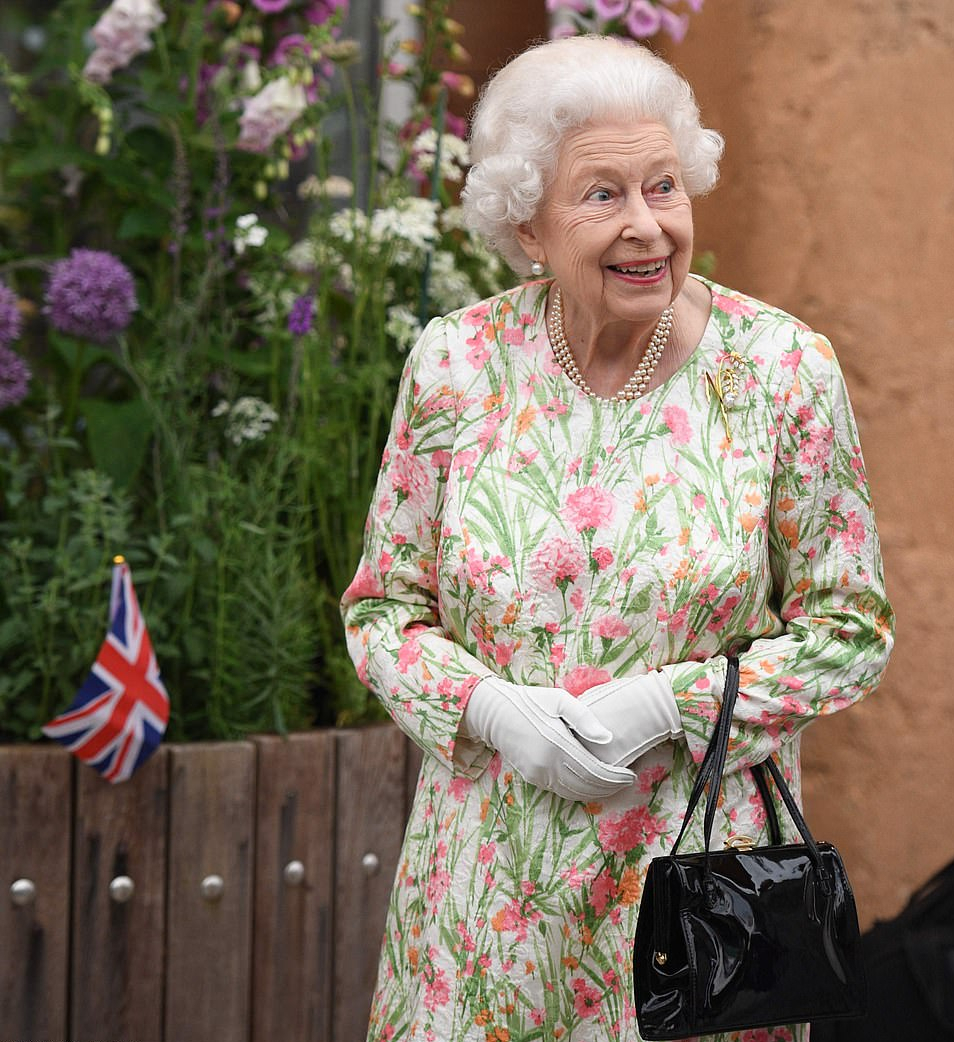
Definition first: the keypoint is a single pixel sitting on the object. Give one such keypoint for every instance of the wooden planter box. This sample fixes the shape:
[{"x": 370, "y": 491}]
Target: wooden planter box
[{"x": 268, "y": 950}]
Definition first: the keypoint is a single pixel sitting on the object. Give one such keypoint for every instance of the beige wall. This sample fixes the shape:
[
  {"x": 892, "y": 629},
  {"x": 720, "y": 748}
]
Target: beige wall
[{"x": 837, "y": 203}]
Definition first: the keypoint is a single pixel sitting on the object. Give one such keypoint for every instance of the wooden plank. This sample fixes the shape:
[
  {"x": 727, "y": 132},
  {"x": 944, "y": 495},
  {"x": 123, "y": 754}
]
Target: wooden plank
[
  {"x": 370, "y": 820},
  {"x": 211, "y": 833},
  {"x": 118, "y": 945},
  {"x": 36, "y": 800},
  {"x": 292, "y": 960}
]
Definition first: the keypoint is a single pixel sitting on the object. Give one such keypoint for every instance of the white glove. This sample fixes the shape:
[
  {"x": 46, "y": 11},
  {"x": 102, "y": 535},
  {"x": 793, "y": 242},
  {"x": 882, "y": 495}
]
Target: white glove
[
  {"x": 535, "y": 730},
  {"x": 640, "y": 711}
]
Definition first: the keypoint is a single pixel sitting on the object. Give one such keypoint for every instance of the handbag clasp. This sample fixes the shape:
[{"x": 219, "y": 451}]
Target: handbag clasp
[{"x": 738, "y": 842}]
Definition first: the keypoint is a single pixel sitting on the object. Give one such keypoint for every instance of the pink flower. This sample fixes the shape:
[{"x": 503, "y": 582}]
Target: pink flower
[
  {"x": 643, "y": 19},
  {"x": 270, "y": 113},
  {"x": 409, "y": 653},
  {"x": 610, "y": 627},
  {"x": 582, "y": 678},
  {"x": 459, "y": 787},
  {"x": 121, "y": 33},
  {"x": 556, "y": 564},
  {"x": 677, "y": 420},
  {"x": 437, "y": 886},
  {"x": 436, "y": 989},
  {"x": 587, "y": 999},
  {"x": 607, "y": 9},
  {"x": 589, "y": 507},
  {"x": 603, "y": 557},
  {"x": 602, "y": 891},
  {"x": 636, "y": 827},
  {"x": 675, "y": 25},
  {"x": 271, "y": 6},
  {"x": 732, "y": 306},
  {"x": 411, "y": 479},
  {"x": 365, "y": 584}
]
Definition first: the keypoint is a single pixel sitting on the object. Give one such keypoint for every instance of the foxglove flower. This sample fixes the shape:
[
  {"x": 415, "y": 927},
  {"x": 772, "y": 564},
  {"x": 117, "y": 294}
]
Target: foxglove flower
[
  {"x": 14, "y": 377},
  {"x": 121, "y": 33},
  {"x": 11, "y": 321},
  {"x": 607, "y": 9},
  {"x": 643, "y": 19},
  {"x": 90, "y": 294},
  {"x": 270, "y": 113}
]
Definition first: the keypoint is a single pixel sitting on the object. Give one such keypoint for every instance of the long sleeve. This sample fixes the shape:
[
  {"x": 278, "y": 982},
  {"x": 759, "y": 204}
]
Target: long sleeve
[
  {"x": 835, "y": 626},
  {"x": 391, "y": 609}
]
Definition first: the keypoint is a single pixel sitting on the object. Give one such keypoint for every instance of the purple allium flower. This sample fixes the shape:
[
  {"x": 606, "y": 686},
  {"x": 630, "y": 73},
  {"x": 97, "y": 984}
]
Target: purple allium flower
[
  {"x": 14, "y": 377},
  {"x": 90, "y": 294},
  {"x": 301, "y": 315},
  {"x": 11, "y": 321},
  {"x": 643, "y": 19},
  {"x": 270, "y": 6}
]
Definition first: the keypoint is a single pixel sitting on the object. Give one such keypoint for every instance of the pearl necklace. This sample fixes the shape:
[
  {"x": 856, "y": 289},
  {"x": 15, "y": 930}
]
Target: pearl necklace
[{"x": 636, "y": 385}]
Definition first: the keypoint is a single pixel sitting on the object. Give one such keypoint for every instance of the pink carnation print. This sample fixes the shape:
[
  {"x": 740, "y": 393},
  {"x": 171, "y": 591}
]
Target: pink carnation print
[
  {"x": 589, "y": 507},
  {"x": 411, "y": 479},
  {"x": 610, "y": 627},
  {"x": 586, "y": 998},
  {"x": 677, "y": 420},
  {"x": 582, "y": 678},
  {"x": 635, "y": 828},
  {"x": 556, "y": 564}
]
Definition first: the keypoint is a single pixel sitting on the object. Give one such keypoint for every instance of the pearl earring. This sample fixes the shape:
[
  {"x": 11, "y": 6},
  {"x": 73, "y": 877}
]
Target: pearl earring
[{"x": 536, "y": 268}]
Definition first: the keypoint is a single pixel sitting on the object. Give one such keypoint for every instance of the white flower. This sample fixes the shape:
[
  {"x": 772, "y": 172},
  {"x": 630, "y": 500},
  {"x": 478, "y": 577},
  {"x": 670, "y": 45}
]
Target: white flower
[
  {"x": 403, "y": 326},
  {"x": 249, "y": 419},
  {"x": 270, "y": 113},
  {"x": 453, "y": 220},
  {"x": 408, "y": 228},
  {"x": 251, "y": 79},
  {"x": 455, "y": 155},
  {"x": 248, "y": 232},
  {"x": 334, "y": 187},
  {"x": 450, "y": 288},
  {"x": 346, "y": 224}
]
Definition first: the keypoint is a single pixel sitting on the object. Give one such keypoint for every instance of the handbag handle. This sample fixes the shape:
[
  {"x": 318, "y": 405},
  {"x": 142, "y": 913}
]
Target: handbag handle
[{"x": 713, "y": 766}]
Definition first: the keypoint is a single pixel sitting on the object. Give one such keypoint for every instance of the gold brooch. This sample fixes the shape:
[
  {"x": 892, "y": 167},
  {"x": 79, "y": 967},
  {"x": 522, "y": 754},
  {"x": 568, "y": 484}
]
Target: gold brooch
[{"x": 726, "y": 385}]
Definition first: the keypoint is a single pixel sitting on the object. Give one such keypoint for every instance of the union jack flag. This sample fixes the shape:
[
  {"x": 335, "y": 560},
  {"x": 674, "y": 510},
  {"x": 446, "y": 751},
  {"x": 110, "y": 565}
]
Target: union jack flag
[{"x": 120, "y": 713}]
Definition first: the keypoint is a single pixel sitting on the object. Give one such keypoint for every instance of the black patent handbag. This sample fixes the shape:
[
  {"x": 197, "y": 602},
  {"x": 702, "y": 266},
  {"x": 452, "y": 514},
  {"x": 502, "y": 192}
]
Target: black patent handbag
[{"x": 746, "y": 937}]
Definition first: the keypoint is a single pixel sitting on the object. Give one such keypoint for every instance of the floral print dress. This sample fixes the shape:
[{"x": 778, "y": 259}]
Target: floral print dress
[{"x": 523, "y": 528}]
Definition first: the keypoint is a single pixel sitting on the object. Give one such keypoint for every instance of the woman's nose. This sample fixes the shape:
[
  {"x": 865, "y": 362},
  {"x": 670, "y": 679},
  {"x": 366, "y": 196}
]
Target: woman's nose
[{"x": 639, "y": 221}]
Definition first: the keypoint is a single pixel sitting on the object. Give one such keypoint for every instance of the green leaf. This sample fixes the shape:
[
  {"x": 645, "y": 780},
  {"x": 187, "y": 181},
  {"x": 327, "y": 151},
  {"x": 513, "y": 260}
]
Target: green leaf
[
  {"x": 46, "y": 158},
  {"x": 143, "y": 222},
  {"x": 119, "y": 434},
  {"x": 79, "y": 353}
]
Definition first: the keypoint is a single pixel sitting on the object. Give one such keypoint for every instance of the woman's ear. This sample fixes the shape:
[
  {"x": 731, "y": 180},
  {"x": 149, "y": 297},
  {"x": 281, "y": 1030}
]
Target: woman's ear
[{"x": 529, "y": 241}]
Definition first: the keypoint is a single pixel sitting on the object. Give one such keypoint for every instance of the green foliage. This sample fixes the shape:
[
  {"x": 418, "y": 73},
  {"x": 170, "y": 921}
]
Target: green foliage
[{"x": 229, "y": 457}]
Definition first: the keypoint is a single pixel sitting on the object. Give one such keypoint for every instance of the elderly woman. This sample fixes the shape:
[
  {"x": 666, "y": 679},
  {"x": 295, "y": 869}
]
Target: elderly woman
[{"x": 597, "y": 485}]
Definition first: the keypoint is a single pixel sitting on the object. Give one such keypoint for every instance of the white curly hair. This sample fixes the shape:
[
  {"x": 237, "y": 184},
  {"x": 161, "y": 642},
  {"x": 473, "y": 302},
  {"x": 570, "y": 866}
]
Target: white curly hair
[{"x": 552, "y": 88}]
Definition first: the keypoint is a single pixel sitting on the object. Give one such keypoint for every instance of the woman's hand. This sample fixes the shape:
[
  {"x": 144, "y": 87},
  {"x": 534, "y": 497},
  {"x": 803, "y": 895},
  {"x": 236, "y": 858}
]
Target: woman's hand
[
  {"x": 640, "y": 712},
  {"x": 550, "y": 738}
]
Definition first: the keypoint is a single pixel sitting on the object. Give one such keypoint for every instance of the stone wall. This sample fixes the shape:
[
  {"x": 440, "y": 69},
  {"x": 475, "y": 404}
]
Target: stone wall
[{"x": 837, "y": 203}]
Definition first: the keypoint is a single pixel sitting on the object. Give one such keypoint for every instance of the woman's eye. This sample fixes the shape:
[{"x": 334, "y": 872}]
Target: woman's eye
[
  {"x": 600, "y": 195},
  {"x": 666, "y": 186}
]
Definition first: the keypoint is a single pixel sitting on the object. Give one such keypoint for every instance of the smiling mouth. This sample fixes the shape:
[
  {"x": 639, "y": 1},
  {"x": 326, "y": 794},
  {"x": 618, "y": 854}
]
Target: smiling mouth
[{"x": 646, "y": 270}]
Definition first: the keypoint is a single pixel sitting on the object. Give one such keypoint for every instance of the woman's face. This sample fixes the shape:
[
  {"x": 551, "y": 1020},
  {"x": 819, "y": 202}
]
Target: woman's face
[{"x": 615, "y": 226}]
